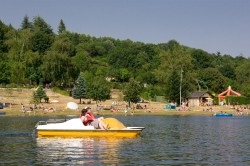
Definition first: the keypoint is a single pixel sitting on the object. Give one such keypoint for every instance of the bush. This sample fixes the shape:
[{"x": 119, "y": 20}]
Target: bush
[
  {"x": 216, "y": 100},
  {"x": 12, "y": 85},
  {"x": 161, "y": 99},
  {"x": 241, "y": 100},
  {"x": 145, "y": 95}
]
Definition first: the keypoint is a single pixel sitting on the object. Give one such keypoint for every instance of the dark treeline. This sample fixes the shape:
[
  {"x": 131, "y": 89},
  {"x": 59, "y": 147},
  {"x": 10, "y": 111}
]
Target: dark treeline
[{"x": 35, "y": 54}]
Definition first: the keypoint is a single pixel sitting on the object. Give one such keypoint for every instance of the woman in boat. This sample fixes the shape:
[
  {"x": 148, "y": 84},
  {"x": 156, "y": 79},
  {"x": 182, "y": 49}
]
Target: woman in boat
[
  {"x": 91, "y": 114},
  {"x": 85, "y": 119},
  {"x": 89, "y": 119}
]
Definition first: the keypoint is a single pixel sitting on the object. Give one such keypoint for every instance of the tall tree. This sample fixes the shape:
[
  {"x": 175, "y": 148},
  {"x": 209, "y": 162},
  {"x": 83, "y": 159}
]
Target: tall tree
[
  {"x": 63, "y": 45},
  {"x": 243, "y": 72},
  {"x": 19, "y": 43},
  {"x": 41, "y": 25},
  {"x": 43, "y": 35},
  {"x": 79, "y": 90},
  {"x": 213, "y": 79},
  {"x": 58, "y": 68},
  {"x": 228, "y": 71},
  {"x": 25, "y": 23},
  {"x": 99, "y": 90},
  {"x": 82, "y": 61},
  {"x": 174, "y": 59},
  {"x": 132, "y": 91},
  {"x": 3, "y": 30},
  {"x": 173, "y": 87},
  {"x": 170, "y": 45},
  {"x": 5, "y": 72},
  {"x": 33, "y": 63},
  {"x": 61, "y": 27},
  {"x": 202, "y": 59},
  {"x": 16, "y": 56}
]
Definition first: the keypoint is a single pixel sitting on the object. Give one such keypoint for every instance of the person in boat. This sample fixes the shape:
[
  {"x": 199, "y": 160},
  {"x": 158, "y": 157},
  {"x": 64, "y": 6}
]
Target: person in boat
[
  {"x": 92, "y": 115},
  {"x": 88, "y": 119},
  {"x": 84, "y": 118}
]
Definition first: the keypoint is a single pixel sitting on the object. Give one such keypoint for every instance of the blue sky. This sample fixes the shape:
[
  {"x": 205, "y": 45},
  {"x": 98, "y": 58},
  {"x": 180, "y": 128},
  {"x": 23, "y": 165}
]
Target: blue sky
[{"x": 211, "y": 25}]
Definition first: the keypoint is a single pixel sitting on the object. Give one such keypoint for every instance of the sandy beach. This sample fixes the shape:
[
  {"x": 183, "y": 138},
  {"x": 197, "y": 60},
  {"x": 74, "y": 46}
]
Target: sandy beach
[{"x": 14, "y": 98}]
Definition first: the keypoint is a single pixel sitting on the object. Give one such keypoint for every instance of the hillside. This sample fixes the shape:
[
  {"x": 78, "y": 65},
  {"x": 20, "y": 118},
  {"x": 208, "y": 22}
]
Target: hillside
[{"x": 34, "y": 55}]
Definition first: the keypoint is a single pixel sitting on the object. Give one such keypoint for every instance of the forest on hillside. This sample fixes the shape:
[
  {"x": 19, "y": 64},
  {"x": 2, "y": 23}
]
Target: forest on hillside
[{"x": 35, "y": 54}]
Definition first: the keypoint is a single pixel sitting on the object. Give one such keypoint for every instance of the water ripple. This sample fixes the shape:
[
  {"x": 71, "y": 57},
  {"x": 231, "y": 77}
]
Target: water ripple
[{"x": 167, "y": 140}]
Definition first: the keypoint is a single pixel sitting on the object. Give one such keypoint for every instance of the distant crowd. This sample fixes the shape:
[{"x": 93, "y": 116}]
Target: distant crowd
[{"x": 32, "y": 107}]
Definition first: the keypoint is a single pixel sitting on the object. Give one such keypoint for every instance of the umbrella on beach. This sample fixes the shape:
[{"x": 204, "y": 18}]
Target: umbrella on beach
[{"x": 72, "y": 106}]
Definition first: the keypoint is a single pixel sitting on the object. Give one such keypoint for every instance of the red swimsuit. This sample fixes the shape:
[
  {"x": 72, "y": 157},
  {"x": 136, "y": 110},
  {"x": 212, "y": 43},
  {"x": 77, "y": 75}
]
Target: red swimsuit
[{"x": 87, "y": 121}]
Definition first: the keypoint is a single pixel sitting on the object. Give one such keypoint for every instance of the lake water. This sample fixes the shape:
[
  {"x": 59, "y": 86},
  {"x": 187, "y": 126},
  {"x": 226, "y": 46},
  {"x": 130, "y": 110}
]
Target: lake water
[{"x": 167, "y": 140}]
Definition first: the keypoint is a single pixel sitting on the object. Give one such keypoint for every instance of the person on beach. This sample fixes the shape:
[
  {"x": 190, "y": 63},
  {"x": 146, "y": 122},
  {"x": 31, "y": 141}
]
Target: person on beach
[{"x": 87, "y": 118}]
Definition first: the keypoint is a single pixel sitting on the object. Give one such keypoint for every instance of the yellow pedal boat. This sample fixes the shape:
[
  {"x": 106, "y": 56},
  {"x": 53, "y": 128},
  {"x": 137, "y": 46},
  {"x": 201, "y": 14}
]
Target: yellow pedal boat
[{"x": 74, "y": 128}]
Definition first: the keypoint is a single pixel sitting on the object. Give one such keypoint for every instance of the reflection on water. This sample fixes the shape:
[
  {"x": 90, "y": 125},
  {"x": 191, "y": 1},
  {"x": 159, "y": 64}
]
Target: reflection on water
[
  {"x": 173, "y": 140},
  {"x": 79, "y": 151}
]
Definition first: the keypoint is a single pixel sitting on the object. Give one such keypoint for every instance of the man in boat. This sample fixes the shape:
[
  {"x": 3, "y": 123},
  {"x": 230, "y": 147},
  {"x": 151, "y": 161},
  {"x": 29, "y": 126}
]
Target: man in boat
[
  {"x": 89, "y": 112},
  {"x": 87, "y": 118}
]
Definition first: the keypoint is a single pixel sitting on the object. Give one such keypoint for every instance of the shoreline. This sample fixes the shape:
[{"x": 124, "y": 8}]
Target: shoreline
[
  {"x": 37, "y": 113},
  {"x": 18, "y": 97}
]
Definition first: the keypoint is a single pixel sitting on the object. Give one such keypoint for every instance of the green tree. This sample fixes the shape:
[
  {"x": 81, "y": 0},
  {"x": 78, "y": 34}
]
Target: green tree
[
  {"x": 243, "y": 72},
  {"x": 132, "y": 91},
  {"x": 3, "y": 30},
  {"x": 245, "y": 89},
  {"x": 40, "y": 94},
  {"x": 41, "y": 25},
  {"x": 176, "y": 58},
  {"x": 43, "y": 35},
  {"x": 61, "y": 27},
  {"x": 121, "y": 74},
  {"x": 58, "y": 68},
  {"x": 243, "y": 78},
  {"x": 15, "y": 55},
  {"x": 99, "y": 90},
  {"x": 94, "y": 48},
  {"x": 63, "y": 45},
  {"x": 5, "y": 72},
  {"x": 41, "y": 42},
  {"x": 20, "y": 56},
  {"x": 228, "y": 71},
  {"x": 169, "y": 46},
  {"x": 135, "y": 57},
  {"x": 79, "y": 90},
  {"x": 201, "y": 59},
  {"x": 82, "y": 61},
  {"x": 33, "y": 62},
  {"x": 173, "y": 87},
  {"x": 25, "y": 23},
  {"x": 213, "y": 79}
]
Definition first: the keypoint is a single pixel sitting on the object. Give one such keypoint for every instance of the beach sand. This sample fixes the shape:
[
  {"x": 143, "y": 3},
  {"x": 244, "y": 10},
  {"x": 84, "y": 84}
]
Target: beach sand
[{"x": 13, "y": 98}]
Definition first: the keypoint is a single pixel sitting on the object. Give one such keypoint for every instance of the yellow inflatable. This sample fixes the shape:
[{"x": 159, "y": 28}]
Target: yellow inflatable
[{"x": 113, "y": 123}]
